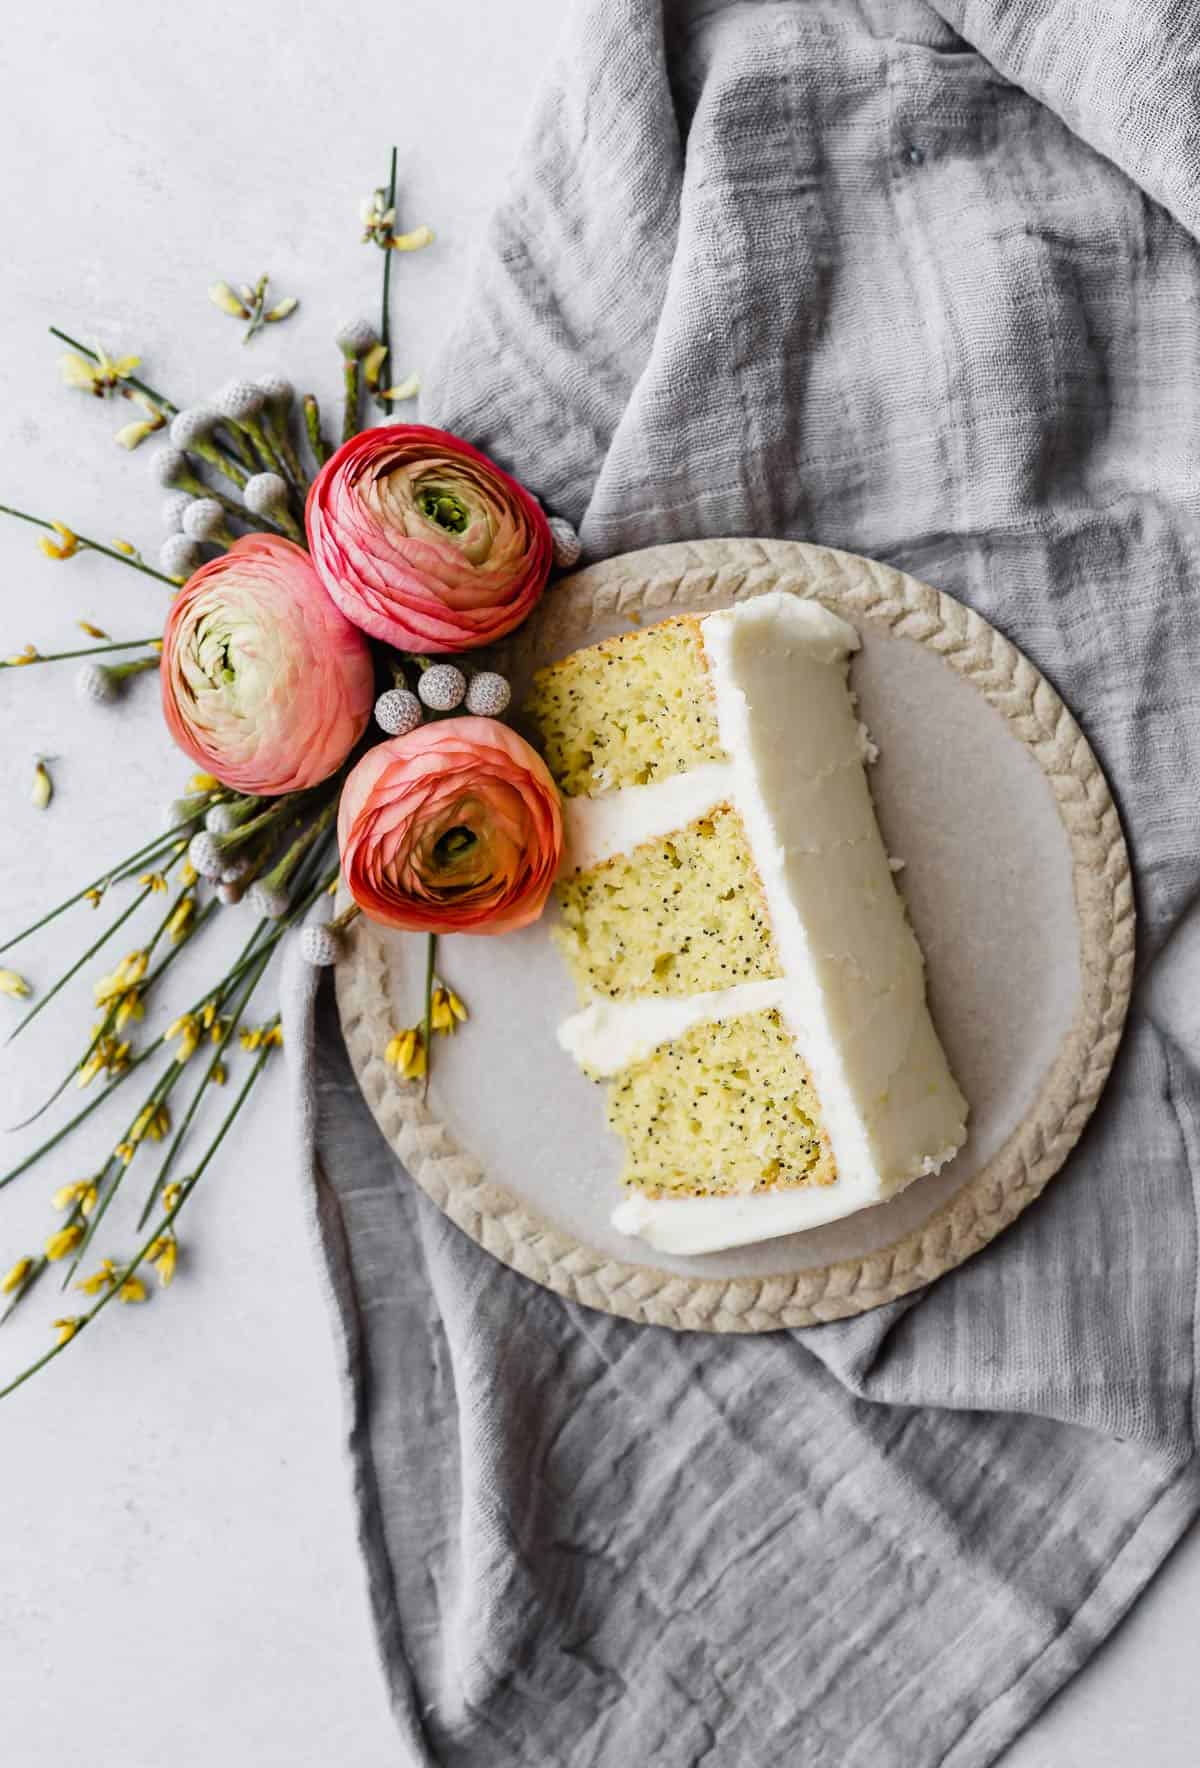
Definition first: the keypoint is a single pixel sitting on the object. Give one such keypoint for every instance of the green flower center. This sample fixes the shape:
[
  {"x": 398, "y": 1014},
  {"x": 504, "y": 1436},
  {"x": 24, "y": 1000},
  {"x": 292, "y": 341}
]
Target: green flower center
[
  {"x": 453, "y": 845},
  {"x": 444, "y": 508}
]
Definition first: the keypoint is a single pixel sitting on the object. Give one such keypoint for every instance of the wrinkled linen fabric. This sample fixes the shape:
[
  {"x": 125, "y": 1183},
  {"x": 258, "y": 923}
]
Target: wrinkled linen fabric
[{"x": 922, "y": 283}]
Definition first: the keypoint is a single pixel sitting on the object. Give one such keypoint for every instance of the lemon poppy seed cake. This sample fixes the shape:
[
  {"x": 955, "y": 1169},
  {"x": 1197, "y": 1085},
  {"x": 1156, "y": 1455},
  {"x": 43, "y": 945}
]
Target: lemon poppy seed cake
[{"x": 751, "y": 990}]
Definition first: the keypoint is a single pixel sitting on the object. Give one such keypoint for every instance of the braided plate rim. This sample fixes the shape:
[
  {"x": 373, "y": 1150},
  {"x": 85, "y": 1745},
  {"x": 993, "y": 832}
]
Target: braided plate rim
[{"x": 700, "y": 575}]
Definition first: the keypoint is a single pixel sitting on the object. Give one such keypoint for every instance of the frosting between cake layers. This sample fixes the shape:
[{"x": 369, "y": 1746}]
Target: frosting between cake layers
[{"x": 852, "y": 992}]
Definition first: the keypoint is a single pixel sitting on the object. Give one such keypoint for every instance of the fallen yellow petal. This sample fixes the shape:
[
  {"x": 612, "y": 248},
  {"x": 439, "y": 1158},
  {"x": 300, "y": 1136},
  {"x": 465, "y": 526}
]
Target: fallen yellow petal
[
  {"x": 12, "y": 984},
  {"x": 42, "y": 790},
  {"x": 15, "y": 1276},
  {"x": 64, "y": 1242},
  {"x": 92, "y": 631}
]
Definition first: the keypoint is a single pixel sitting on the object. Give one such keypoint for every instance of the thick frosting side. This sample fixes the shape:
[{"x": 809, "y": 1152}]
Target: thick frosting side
[{"x": 855, "y": 995}]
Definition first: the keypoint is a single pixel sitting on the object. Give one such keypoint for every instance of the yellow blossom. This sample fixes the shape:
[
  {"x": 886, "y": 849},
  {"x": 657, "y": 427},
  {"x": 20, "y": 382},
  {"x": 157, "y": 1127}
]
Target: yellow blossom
[
  {"x": 171, "y": 1194},
  {"x": 13, "y": 984},
  {"x": 203, "y": 782},
  {"x": 180, "y": 922},
  {"x": 282, "y": 309},
  {"x": 250, "y": 1040},
  {"x": 67, "y": 1329},
  {"x": 188, "y": 875},
  {"x": 15, "y": 1276},
  {"x": 217, "y": 1074},
  {"x": 155, "y": 645},
  {"x": 88, "y": 1197},
  {"x": 30, "y": 654},
  {"x": 273, "y": 1037},
  {"x": 98, "y": 377},
  {"x": 163, "y": 1254},
  {"x": 42, "y": 790},
  {"x": 92, "y": 631},
  {"x": 372, "y": 363},
  {"x": 132, "y": 1289},
  {"x": 66, "y": 1195},
  {"x": 446, "y": 1010},
  {"x": 94, "y": 896},
  {"x": 187, "y": 1030},
  {"x": 129, "y": 1006},
  {"x": 103, "y": 1278},
  {"x": 128, "y": 972},
  {"x": 126, "y": 548},
  {"x": 153, "y": 1121},
  {"x": 412, "y": 241},
  {"x": 406, "y": 1053},
  {"x": 408, "y": 388},
  {"x": 124, "y": 1152},
  {"x": 222, "y": 296},
  {"x": 154, "y": 881},
  {"x": 208, "y": 1014},
  {"x": 65, "y": 547},
  {"x": 64, "y": 1242},
  {"x": 132, "y": 435}
]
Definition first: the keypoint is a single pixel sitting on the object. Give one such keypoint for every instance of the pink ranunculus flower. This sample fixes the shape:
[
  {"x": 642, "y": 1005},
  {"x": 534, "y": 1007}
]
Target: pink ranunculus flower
[
  {"x": 264, "y": 683},
  {"x": 455, "y": 828},
  {"x": 424, "y": 542}
]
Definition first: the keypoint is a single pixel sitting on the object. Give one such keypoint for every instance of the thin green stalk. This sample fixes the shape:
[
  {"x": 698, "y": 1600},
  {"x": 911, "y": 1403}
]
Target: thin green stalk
[
  {"x": 160, "y": 1178},
  {"x": 427, "y": 1026},
  {"x": 159, "y": 399},
  {"x": 109, "y": 552},
  {"x": 77, "y": 965},
  {"x": 120, "y": 869},
  {"x": 125, "y": 644},
  {"x": 350, "y": 400},
  {"x": 385, "y": 331},
  {"x": 167, "y": 1221},
  {"x": 159, "y": 1093},
  {"x": 312, "y": 426},
  {"x": 74, "y": 1122}
]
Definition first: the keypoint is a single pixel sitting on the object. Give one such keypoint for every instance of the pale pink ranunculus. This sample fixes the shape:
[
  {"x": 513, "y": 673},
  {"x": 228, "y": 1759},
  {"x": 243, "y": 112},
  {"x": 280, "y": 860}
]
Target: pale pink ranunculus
[
  {"x": 424, "y": 542},
  {"x": 264, "y": 683},
  {"x": 455, "y": 828}
]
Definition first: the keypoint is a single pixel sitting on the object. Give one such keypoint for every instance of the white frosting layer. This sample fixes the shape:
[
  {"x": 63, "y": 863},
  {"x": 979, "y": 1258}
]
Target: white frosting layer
[
  {"x": 852, "y": 991},
  {"x": 595, "y": 829},
  {"x": 609, "y": 1035}
]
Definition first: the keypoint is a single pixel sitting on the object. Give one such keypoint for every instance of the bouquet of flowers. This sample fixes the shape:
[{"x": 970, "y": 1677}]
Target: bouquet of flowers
[{"x": 317, "y": 597}]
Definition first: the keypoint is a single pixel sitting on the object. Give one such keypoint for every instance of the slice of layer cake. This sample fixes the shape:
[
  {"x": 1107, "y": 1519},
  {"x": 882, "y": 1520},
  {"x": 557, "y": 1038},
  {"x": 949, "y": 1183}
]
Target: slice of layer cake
[{"x": 754, "y": 994}]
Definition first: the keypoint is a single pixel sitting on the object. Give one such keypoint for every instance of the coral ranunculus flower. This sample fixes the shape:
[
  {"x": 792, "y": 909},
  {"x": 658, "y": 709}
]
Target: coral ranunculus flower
[
  {"x": 424, "y": 542},
  {"x": 455, "y": 828},
  {"x": 264, "y": 683}
]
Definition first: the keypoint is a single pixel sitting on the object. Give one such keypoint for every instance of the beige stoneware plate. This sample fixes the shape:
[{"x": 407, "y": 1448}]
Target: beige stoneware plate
[{"x": 1018, "y": 884}]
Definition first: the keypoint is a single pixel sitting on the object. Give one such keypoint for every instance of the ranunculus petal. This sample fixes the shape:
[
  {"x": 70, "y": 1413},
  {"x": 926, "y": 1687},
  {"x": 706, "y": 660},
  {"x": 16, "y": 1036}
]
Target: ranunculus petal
[
  {"x": 454, "y": 828},
  {"x": 264, "y": 683},
  {"x": 424, "y": 542}
]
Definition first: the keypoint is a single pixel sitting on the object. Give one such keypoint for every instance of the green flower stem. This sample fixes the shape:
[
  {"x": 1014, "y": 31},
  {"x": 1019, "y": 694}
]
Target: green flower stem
[
  {"x": 239, "y": 445},
  {"x": 385, "y": 331},
  {"x": 131, "y": 380},
  {"x": 312, "y": 425},
  {"x": 91, "y": 545},
  {"x": 214, "y": 457},
  {"x": 74, "y": 1122},
  {"x": 120, "y": 869},
  {"x": 158, "y": 1095},
  {"x": 167, "y": 1221},
  {"x": 160, "y": 1177},
  {"x": 125, "y": 644},
  {"x": 275, "y": 424},
  {"x": 350, "y": 385},
  {"x": 196, "y": 487},
  {"x": 280, "y": 874},
  {"x": 427, "y": 1026},
  {"x": 44, "y": 1000}
]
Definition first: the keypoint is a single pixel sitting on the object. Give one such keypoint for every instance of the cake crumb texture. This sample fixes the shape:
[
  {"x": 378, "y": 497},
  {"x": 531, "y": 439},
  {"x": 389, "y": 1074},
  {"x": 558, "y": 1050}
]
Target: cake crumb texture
[
  {"x": 677, "y": 916},
  {"x": 636, "y": 708},
  {"x": 726, "y": 1109}
]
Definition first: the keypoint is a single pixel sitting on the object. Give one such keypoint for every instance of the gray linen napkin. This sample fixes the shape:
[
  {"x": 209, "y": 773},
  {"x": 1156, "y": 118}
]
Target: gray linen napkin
[{"x": 822, "y": 269}]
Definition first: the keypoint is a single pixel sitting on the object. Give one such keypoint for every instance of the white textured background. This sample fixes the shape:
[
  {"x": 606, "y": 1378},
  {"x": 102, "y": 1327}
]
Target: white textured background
[{"x": 178, "y": 1575}]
